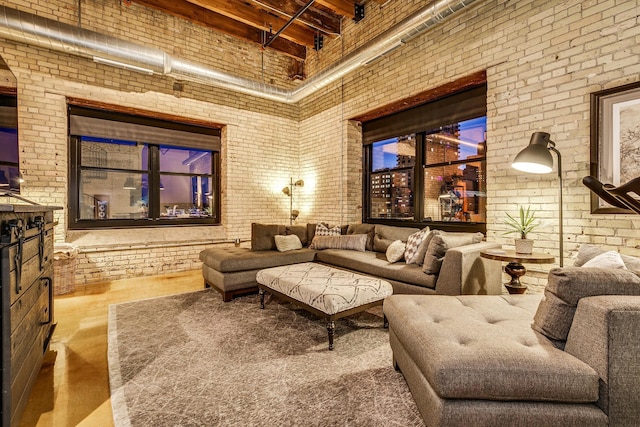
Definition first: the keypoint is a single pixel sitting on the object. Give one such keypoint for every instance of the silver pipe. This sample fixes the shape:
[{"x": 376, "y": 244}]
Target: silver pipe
[{"x": 35, "y": 30}]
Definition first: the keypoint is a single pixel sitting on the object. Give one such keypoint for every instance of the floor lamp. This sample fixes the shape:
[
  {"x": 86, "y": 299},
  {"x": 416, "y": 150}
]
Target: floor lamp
[
  {"x": 288, "y": 190},
  {"x": 536, "y": 158}
]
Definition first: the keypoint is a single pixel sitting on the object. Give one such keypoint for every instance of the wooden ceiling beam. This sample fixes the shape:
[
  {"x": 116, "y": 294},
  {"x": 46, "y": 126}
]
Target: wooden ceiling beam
[
  {"x": 328, "y": 23},
  {"x": 223, "y": 24},
  {"x": 250, "y": 15},
  {"x": 341, "y": 7}
]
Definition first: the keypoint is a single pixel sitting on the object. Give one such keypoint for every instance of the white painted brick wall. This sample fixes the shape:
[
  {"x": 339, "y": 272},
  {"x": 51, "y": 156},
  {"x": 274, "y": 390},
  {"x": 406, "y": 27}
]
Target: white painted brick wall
[{"x": 542, "y": 59}]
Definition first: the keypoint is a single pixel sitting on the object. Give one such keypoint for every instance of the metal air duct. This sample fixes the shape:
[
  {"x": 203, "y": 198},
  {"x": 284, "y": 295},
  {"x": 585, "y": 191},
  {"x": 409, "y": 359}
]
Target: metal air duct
[{"x": 35, "y": 30}]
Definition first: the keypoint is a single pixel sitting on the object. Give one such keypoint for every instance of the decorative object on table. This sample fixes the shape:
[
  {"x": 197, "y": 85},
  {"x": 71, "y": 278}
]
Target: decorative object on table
[
  {"x": 536, "y": 158},
  {"x": 523, "y": 224},
  {"x": 288, "y": 190},
  {"x": 615, "y": 143},
  {"x": 625, "y": 196}
]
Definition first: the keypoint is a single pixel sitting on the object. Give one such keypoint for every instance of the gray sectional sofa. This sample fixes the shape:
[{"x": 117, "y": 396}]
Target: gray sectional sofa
[
  {"x": 571, "y": 358},
  {"x": 232, "y": 271}
]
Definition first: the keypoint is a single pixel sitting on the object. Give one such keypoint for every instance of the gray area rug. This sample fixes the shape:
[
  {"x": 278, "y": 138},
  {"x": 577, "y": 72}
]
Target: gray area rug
[{"x": 193, "y": 360}]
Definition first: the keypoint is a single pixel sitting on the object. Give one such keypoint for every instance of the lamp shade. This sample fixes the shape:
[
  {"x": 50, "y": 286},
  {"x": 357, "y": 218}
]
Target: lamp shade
[
  {"x": 536, "y": 157},
  {"x": 129, "y": 184}
]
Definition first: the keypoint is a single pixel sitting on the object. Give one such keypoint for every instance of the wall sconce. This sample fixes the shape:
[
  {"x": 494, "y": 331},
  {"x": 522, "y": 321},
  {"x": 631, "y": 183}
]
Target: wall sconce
[
  {"x": 536, "y": 158},
  {"x": 288, "y": 190}
]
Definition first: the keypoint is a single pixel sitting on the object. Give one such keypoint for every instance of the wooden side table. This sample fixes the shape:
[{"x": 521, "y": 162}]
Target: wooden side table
[{"x": 514, "y": 268}]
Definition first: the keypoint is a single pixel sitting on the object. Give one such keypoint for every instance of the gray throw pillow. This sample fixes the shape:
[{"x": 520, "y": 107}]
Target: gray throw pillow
[
  {"x": 564, "y": 289},
  {"x": 439, "y": 244}
]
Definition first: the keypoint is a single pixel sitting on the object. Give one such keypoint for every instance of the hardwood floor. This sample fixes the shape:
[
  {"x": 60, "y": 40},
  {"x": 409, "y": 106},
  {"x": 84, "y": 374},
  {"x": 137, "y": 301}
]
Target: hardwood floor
[{"x": 73, "y": 385}]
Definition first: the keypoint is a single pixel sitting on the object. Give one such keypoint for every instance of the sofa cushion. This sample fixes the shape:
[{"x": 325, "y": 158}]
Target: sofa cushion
[
  {"x": 298, "y": 230},
  {"x": 482, "y": 347},
  {"x": 232, "y": 259},
  {"x": 414, "y": 243},
  {"x": 262, "y": 236},
  {"x": 381, "y": 245},
  {"x": 354, "y": 242},
  {"x": 368, "y": 229},
  {"x": 288, "y": 243},
  {"x": 567, "y": 285},
  {"x": 395, "y": 251},
  {"x": 393, "y": 233},
  {"x": 376, "y": 264},
  {"x": 440, "y": 242}
]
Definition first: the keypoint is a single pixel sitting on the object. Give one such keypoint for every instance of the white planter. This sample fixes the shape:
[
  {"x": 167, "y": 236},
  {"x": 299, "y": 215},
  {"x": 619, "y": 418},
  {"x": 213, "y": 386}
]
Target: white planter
[{"x": 524, "y": 246}]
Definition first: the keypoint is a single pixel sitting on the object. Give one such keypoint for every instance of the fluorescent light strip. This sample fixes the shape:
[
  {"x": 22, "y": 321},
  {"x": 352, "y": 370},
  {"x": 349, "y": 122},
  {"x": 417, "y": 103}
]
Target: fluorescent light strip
[{"x": 113, "y": 63}]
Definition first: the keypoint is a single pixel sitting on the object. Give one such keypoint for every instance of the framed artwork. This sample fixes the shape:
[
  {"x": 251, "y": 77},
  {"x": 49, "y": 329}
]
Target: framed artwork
[{"x": 615, "y": 140}]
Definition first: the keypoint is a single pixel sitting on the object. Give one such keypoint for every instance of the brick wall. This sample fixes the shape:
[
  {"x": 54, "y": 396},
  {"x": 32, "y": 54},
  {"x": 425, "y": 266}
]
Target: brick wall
[
  {"x": 542, "y": 59},
  {"x": 259, "y": 140}
]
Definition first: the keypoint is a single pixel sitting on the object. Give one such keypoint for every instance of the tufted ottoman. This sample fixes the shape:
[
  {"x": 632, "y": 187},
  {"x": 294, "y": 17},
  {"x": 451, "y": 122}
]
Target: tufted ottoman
[
  {"x": 475, "y": 361},
  {"x": 324, "y": 291}
]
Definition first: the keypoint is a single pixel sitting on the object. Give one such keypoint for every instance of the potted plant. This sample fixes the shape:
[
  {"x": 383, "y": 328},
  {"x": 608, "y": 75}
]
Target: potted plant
[{"x": 522, "y": 225}]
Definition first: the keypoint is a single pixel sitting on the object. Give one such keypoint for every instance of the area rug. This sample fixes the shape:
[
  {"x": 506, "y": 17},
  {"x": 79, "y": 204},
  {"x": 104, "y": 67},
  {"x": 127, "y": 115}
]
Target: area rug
[{"x": 193, "y": 360}]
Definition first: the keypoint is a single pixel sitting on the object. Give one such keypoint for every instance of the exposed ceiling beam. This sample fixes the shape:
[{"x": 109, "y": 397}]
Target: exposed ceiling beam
[
  {"x": 223, "y": 24},
  {"x": 341, "y": 7},
  {"x": 326, "y": 22},
  {"x": 250, "y": 15}
]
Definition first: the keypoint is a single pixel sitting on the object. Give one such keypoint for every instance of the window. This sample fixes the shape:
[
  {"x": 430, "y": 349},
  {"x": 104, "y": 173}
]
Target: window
[
  {"x": 393, "y": 164},
  {"x": 128, "y": 171},
  {"x": 9, "y": 157},
  {"x": 428, "y": 164}
]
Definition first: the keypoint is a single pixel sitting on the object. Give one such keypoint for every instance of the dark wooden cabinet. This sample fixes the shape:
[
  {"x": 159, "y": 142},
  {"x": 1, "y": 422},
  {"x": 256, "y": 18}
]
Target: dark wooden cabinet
[{"x": 26, "y": 272}]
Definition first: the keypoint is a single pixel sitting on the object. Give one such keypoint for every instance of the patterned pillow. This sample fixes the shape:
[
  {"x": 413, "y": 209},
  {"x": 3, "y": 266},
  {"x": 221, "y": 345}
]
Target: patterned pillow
[
  {"x": 323, "y": 230},
  {"x": 413, "y": 245}
]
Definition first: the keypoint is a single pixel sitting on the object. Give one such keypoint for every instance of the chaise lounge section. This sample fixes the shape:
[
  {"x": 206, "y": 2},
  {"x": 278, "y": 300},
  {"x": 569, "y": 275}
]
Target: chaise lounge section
[{"x": 571, "y": 359}]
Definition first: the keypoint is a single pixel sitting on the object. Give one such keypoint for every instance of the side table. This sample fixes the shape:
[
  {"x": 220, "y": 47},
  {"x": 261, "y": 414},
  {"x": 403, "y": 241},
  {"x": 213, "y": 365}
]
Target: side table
[{"x": 514, "y": 268}]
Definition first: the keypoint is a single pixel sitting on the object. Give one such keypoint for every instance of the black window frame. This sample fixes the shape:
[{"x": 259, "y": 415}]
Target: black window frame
[
  {"x": 452, "y": 108},
  {"x": 154, "y": 219}
]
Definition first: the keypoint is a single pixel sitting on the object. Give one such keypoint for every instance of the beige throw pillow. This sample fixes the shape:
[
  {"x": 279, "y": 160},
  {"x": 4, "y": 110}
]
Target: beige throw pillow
[
  {"x": 288, "y": 243},
  {"x": 395, "y": 251},
  {"x": 610, "y": 259}
]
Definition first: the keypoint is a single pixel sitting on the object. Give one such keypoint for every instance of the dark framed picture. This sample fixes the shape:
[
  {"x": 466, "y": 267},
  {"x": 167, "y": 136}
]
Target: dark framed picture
[{"x": 615, "y": 140}]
